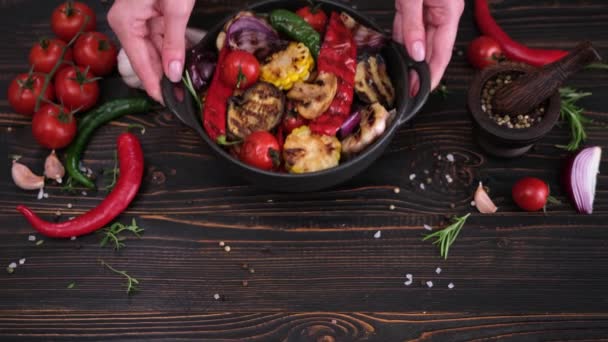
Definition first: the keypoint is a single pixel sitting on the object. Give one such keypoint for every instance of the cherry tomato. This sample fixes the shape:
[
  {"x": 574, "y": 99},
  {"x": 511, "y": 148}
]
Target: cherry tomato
[
  {"x": 240, "y": 69},
  {"x": 530, "y": 193},
  {"x": 314, "y": 16},
  {"x": 291, "y": 122},
  {"x": 76, "y": 88},
  {"x": 484, "y": 51},
  {"x": 69, "y": 17},
  {"x": 261, "y": 150},
  {"x": 95, "y": 50},
  {"x": 46, "y": 53},
  {"x": 25, "y": 89},
  {"x": 53, "y": 127}
]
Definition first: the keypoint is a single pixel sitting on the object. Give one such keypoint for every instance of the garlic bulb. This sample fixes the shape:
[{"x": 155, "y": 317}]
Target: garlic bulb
[
  {"x": 24, "y": 178},
  {"x": 483, "y": 202}
]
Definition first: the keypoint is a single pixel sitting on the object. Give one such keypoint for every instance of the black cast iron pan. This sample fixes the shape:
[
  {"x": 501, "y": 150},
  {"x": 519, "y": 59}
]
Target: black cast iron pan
[{"x": 180, "y": 102}]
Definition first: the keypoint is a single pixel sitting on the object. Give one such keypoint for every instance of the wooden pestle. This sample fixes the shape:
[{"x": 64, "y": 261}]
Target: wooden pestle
[{"x": 530, "y": 90}]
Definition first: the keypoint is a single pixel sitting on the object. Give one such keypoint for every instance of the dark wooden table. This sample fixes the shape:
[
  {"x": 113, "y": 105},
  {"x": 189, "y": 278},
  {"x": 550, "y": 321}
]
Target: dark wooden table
[{"x": 314, "y": 270}]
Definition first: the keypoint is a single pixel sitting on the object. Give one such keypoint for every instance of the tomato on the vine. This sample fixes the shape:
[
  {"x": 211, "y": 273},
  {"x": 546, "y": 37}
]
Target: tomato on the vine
[
  {"x": 484, "y": 51},
  {"x": 24, "y": 91},
  {"x": 314, "y": 16},
  {"x": 95, "y": 50},
  {"x": 53, "y": 127},
  {"x": 68, "y": 18},
  {"x": 261, "y": 150},
  {"x": 76, "y": 88},
  {"x": 530, "y": 194},
  {"x": 240, "y": 69},
  {"x": 46, "y": 53}
]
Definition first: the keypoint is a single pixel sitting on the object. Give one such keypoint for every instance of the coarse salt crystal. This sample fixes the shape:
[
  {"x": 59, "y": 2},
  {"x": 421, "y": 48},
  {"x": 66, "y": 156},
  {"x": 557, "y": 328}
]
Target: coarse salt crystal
[
  {"x": 31, "y": 238},
  {"x": 84, "y": 193},
  {"x": 21, "y": 261},
  {"x": 473, "y": 203},
  {"x": 450, "y": 285},
  {"x": 71, "y": 218},
  {"x": 422, "y": 187},
  {"x": 450, "y": 157},
  {"x": 227, "y": 248},
  {"x": 216, "y": 296},
  {"x": 429, "y": 284},
  {"x": 397, "y": 190},
  {"x": 58, "y": 213},
  {"x": 9, "y": 129},
  {"x": 438, "y": 270},
  {"x": 412, "y": 176},
  {"x": 12, "y": 265},
  {"x": 40, "y": 193},
  {"x": 439, "y": 157},
  {"x": 378, "y": 235},
  {"x": 391, "y": 207},
  {"x": 222, "y": 243},
  {"x": 73, "y": 238},
  {"x": 333, "y": 321},
  {"x": 409, "y": 276},
  {"x": 45, "y": 195},
  {"x": 69, "y": 205},
  {"x": 408, "y": 282},
  {"x": 427, "y": 227},
  {"x": 426, "y": 172},
  {"x": 410, "y": 279},
  {"x": 270, "y": 201}
]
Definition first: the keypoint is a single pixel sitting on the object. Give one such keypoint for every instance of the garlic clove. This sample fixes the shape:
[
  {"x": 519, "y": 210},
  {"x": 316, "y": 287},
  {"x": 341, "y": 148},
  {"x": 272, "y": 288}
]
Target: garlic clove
[
  {"x": 24, "y": 178},
  {"x": 53, "y": 169},
  {"x": 483, "y": 202}
]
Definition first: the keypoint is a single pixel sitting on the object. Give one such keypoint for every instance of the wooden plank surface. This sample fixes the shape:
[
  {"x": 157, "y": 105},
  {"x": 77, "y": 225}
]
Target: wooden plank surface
[{"x": 318, "y": 270}]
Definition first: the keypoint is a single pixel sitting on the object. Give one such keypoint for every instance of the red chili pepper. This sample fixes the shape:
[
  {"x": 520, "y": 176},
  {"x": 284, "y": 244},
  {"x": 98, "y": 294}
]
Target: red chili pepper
[
  {"x": 214, "y": 110},
  {"x": 512, "y": 49},
  {"x": 131, "y": 162},
  {"x": 339, "y": 56}
]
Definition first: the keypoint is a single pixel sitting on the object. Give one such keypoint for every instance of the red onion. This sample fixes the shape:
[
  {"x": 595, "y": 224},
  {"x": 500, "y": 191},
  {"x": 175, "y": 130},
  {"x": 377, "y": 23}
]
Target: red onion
[
  {"x": 200, "y": 65},
  {"x": 253, "y": 35},
  {"x": 580, "y": 178},
  {"x": 350, "y": 124}
]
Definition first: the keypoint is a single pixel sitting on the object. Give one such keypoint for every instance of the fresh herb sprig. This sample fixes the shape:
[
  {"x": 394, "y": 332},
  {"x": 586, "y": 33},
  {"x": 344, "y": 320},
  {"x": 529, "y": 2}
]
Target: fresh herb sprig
[
  {"x": 190, "y": 87},
  {"x": 573, "y": 114},
  {"x": 131, "y": 282},
  {"x": 111, "y": 176},
  {"x": 112, "y": 234},
  {"x": 446, "y": 237}
]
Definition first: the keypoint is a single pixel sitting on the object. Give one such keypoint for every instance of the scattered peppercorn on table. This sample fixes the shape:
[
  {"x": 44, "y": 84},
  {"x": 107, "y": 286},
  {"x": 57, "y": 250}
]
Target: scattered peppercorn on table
[{"x": 199, "y": 254}]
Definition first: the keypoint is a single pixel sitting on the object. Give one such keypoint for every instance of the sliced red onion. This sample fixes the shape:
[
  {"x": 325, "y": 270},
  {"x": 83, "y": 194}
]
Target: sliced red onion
[
  {"x": 253, "y": 35},
  {"x": 580, "y": 178},
  {"x": 350, "y": 124},
  {"x": 200, "y": 65}
]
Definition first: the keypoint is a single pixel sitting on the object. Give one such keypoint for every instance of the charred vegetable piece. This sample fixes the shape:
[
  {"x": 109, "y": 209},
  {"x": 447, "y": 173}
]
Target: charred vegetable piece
[
  {"x": 372, "y": 83},
  {"x": 288, "y": 66},
  {"x": 220, "y": 41},
  {"x": 307, "y": 152},
  {"x": 374, "y": 120},
  {"x": 297, "y": 29},
  {"x": 367, "y": 39},
  {"x": 260, "y": 108},
  {"x": 200, "y": 65},
  {"x": 254, "y": 35},
  {"x": 313, "y": 99}
]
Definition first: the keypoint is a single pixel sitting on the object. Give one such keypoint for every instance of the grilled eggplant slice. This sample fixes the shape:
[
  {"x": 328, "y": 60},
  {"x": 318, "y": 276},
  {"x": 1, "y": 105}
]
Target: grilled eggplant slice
[
  {"x": 260, "y": 108},
  {"x": 305, "y": 152},
  {"x": 374, "y": 120},
  {"x": 372, "y": 83},
  {"x": 313, "y": 99}
]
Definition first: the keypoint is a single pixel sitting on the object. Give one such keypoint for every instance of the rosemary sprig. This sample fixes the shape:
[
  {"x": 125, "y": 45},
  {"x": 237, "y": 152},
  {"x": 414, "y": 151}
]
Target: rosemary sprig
[
  {"x": 442, "y": 90},
  {"x": 113, "y": 173},
  {"x": 112, "y": 234},
  {"x": 131, "y": 282},
  {"x": 573, "y": 114},
  {"x": 446, "y": 237},
  {"x": 188, "y": 84}
]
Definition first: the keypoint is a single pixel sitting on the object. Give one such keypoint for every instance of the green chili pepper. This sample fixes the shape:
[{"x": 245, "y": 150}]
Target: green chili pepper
[
  {"x": 90, "y": 122},
  {"x": 296, "y": 28}
]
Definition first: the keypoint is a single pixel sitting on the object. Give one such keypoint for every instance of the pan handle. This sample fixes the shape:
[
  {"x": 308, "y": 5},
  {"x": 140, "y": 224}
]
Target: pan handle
[
  {"x": 422, "y": 69},
  {"x": 180, "y": 102}
]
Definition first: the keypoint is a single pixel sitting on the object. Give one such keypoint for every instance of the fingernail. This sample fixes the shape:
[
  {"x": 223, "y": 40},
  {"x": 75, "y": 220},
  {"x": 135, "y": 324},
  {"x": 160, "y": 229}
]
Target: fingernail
[
  {"x": 175, "y": 71},
  {"x": 418, "y": 51}
]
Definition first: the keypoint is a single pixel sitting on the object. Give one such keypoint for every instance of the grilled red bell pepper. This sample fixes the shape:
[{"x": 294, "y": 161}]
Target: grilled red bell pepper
[
  {"x": 339, "y": 56},
  {"x": 214, "y": 110}
]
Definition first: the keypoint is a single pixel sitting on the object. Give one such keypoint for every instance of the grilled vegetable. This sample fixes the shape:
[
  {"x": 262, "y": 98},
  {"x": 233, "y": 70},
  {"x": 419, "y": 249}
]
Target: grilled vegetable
[
  {"x": 296, "y": 28},
  {"x": 259, "y": 109},
  {"x": 374, "y": 121},
  {"x": 220, "y": 41},
  {"x": 313, "y": 99},
  {"x": 372, "y": 83},
  {"x": 288, "y": 66},
  {"x": 306, "y": 152},
  {"x": 254, "y": 35},
  {"x": 367, "y": 39}
]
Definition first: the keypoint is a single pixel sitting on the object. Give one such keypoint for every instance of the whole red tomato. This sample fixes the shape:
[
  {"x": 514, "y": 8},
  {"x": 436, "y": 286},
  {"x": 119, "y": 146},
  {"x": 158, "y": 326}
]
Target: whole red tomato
[
  {"x": 484, "y": 51},
  {"x": 25, "y": 89},
  {"x": 46, "y": 53},
  {"x": 530, "y": 193},
  {"x": 261, "y": 150},
  {"x": 95, "y": 50},
  {"x": 240, "y": 69},
  {"x": 53, "y": 127},
  {"x": 292, "y": 121},
  {"x": 76, "y": 88},
  {"x": 69, "y": 17},
  {"x": 314, "y": 16}
]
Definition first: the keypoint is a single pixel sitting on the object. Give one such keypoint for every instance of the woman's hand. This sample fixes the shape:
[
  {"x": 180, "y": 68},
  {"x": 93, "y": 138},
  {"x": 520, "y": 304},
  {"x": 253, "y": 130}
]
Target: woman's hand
[
  {"x": 428, "y": 29},
  {"x": 152, "y": 33}
]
